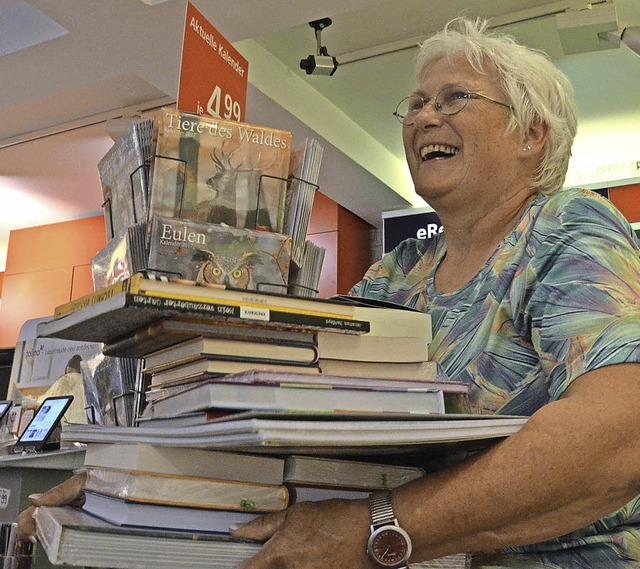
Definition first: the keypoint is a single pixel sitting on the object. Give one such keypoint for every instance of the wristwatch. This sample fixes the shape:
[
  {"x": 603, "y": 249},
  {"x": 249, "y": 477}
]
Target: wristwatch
[{"x": 389, "y": 546}]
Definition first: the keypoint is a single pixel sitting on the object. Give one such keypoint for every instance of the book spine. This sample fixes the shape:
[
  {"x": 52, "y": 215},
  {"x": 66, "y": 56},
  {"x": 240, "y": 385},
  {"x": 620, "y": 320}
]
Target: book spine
[
  {"x": 129, "y": 285},
  {"x": 211, "y": 308}
]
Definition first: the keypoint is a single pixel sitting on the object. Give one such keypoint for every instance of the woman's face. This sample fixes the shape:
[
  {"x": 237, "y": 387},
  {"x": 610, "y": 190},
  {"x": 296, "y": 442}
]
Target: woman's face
[{"x": 465, "y": 155}]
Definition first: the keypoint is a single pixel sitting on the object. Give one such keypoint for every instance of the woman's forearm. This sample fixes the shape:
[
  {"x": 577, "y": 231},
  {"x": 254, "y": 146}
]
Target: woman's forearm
[{"x": 574, "y": 462}]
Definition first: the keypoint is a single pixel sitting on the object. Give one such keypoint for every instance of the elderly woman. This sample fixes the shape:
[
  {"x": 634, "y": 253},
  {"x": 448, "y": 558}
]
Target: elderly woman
[{"x": 535, "y": 299}]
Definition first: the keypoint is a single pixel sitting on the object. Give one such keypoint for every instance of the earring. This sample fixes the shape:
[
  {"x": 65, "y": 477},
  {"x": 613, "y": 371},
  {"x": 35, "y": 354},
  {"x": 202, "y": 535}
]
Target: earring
[{"x": 527, "y": 148}]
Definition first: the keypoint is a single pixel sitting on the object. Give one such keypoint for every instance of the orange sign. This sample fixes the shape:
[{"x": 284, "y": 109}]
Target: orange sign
[{"x": 213, "y": 75}]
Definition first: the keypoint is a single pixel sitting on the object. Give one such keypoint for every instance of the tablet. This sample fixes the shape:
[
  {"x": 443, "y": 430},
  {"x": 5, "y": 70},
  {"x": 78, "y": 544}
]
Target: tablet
[{"x": 36, "y": 436}]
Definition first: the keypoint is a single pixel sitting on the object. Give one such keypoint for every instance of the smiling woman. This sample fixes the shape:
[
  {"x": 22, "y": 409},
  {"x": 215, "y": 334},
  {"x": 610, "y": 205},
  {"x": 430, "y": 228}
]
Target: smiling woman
[{"x": 535, "y": 325}]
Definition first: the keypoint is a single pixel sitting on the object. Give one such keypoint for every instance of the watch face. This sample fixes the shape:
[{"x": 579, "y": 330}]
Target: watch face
[{"x": 389, "y": 547}]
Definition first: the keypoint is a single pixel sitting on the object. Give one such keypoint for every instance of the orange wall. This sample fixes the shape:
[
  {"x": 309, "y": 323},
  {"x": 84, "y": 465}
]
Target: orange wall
[
  {"x": 46, "y": 266},
  {"x": 346, "y": 239},
  {"x": 627, "y": 200}
]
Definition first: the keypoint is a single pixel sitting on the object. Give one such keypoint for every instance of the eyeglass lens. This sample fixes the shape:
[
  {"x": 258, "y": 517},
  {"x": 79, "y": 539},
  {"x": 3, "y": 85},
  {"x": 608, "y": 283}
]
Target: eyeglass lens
[{"x": 449, "y": 101}]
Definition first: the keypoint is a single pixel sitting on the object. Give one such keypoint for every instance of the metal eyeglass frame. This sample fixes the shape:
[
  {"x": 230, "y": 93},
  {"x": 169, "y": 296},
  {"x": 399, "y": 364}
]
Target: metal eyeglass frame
[{"x": 439, "y": 105}]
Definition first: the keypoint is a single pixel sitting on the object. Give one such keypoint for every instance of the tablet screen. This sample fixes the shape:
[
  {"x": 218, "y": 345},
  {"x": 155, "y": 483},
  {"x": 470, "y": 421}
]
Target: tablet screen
[{"x": 44, "y": 422}]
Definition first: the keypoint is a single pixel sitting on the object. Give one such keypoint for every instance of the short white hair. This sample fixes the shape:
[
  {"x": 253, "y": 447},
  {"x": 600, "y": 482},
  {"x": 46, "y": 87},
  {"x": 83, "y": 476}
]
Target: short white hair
[{"x": 537, "y": 90}]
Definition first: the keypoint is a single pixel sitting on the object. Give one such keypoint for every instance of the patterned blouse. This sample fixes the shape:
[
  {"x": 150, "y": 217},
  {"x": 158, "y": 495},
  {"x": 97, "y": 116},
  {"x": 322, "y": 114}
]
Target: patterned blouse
[{"x": 560, "y": 296}]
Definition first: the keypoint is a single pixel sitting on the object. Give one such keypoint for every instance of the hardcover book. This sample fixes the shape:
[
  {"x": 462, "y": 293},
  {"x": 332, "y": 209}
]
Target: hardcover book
[
  {"x": 397, "y": 334},
  {"x": 208, "y": 369},
  {"x": 317, "y": 494},
  {"x": 186, "y": 462},
  {"x": 74, "y": 537},
  {"x": 120, "y": 310},
  {"x": 171, "y": 331},
  {"x": 293, "y": 376},
  {"x": 212, "y": 170},
  {"x": 411, "y": 371},
  {"x": 158, "y": 516},
  {"x": 191, "y": 291},
  {"x": 232, "y": 349},
  {"x": 186, "y": 491},
  {"x": 210, "y": 253},
  {"x": 300, "y": 470}
]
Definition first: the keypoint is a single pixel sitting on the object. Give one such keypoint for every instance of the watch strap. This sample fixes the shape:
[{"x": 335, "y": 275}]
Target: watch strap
[{"x": 381, "y": 509}]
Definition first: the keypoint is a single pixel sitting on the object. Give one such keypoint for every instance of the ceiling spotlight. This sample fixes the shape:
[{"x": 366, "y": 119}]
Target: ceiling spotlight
[
  {"x": 629, "y": 36},
  {"x": 321, "y": 63}
]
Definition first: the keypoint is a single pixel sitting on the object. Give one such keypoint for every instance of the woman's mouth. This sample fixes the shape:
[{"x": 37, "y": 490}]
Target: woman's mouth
[{"x": 437, "y": 152}]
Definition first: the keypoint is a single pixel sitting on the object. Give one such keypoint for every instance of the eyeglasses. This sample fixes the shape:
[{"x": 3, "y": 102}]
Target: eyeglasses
[{"x": 449, "y": 101}]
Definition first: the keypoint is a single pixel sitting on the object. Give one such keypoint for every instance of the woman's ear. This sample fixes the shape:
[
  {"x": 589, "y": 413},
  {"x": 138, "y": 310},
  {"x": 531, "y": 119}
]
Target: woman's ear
[{"x": 534, "y": 138}]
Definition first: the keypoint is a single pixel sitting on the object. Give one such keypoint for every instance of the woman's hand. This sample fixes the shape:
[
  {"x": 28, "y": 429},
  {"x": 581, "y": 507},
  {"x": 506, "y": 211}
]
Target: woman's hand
[
  {"x": 69, "y": 493},
  {"x": 332, "y": 533}
]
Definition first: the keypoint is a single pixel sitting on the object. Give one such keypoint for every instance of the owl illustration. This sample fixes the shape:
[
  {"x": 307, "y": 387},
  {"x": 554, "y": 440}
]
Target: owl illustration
[{"x": 229, "y": 270}]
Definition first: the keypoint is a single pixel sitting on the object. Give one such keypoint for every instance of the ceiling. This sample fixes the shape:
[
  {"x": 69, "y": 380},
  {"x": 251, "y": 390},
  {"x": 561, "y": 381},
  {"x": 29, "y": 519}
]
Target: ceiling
[{"x": 102, "y": 59}]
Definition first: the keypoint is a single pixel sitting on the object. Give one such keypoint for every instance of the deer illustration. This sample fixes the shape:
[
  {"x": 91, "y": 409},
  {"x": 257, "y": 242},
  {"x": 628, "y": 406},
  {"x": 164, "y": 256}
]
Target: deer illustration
[{"x": 235, "y": 187}]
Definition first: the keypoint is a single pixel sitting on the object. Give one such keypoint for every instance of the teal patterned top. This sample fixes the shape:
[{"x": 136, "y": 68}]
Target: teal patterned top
[{"x": 559, "y": 296}]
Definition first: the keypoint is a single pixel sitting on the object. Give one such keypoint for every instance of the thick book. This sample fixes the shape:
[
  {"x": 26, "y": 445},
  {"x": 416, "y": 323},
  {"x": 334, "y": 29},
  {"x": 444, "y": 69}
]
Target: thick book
[
  {"x": 135, "y": 514},
  {"x": 396, "y": 334},
  {"x": 209, "y": 369},
  {"x": 317, "y": 433},
  {"x": 126, "y": 307},
  {"x": 377, "y": 348},
  {"x": 186, "y": 462},
  {"x": 195, "y": 292},
  {"x": 125, "y": 313},
  {"x": 186, "y": 491},
  {"x": 74, "y": 537},
  {"x": 232, "y": 349},
  {"x": 210, "y": 253},
  {"x": 171, "y": 331},
  {"x": 212, "y": 170},
  {"x": 220, "y": 395},
  {"x": 324, "y": 472}
]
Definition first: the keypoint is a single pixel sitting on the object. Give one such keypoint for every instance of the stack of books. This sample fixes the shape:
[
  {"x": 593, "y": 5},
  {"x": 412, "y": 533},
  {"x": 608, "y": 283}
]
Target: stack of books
[
  {"x": 229, "y": 351},
  {"x": 395, "y": 347},
  {"x": 179, "y": 488},
  {"x": 208, "y": 356},
  {"x": 269, "y": 413},
  {"x": 144, "y": 506}
]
